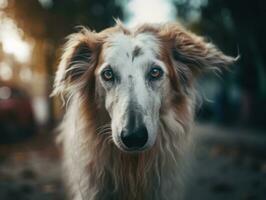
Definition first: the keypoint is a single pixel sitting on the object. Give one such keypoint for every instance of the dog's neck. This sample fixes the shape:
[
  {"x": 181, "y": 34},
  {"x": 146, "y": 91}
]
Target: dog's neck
[
  {"x": 138, "y": 175},
  {"x": 103, "y": 171}
]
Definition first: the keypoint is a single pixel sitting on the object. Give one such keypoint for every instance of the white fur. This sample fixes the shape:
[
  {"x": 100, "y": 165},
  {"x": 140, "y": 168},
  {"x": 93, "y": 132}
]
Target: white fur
[
  {"x": 118, "y": 54},
  {"x": 95, "y": 164}
]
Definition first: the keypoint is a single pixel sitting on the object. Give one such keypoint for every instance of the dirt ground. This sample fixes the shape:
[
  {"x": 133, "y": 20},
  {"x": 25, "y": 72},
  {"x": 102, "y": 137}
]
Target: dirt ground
[
  {"x": 31, "y": 170},
  {"x": 230, "y": 163}
]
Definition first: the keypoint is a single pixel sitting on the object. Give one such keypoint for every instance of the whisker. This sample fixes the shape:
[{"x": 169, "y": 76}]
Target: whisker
[
  {"x": 106, "y": 132},
  {"x": 103, "y": 126}
]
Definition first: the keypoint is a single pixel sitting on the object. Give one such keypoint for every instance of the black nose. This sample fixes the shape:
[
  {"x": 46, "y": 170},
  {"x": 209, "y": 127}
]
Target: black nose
[{"x": 136, "y": 138}]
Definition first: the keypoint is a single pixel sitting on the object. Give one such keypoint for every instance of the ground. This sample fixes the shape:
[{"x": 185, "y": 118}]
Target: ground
[
  {"x": 31, "y": 170},
  {"x": 230, "y": 163}
]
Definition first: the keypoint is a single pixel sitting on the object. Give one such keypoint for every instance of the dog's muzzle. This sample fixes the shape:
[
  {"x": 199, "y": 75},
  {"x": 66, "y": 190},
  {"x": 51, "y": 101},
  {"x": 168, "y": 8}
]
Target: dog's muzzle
[
  {"x": 135, "y": 139},
  {"x": 134, "y": 135}
]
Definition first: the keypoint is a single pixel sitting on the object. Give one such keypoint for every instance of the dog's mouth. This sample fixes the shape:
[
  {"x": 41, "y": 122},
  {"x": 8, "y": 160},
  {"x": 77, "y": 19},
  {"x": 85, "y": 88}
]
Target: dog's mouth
[{"x": 134, "y": 150}]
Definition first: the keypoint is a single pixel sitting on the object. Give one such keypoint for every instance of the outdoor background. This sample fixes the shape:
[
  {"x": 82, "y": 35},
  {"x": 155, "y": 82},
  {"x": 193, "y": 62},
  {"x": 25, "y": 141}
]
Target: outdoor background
[{"x": 231, "y": 123}]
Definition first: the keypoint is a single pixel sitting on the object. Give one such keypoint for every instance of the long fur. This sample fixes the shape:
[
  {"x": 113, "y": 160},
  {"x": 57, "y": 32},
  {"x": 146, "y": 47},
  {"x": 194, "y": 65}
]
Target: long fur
[
  {"x": 95, "y": 168},
  {"x": 99, "y": 170}
]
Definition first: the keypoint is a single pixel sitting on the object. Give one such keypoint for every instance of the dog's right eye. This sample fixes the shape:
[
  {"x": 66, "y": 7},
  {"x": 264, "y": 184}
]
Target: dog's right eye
[
  {"x": 155, "y": 73},
  {"x": 108, "y": 74}
]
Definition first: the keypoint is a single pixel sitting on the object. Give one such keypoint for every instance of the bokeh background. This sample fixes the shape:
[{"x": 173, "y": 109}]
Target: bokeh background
[{"x": 231, "y": 123}]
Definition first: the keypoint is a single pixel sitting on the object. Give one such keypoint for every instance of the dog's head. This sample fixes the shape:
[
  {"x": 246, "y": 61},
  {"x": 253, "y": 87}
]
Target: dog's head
[{"x": 137, "y": 76}]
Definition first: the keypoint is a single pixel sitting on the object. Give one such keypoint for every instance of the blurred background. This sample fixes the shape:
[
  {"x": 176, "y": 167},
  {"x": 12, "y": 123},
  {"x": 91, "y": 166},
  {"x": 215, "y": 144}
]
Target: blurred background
[{"x": 231, "y": 123}]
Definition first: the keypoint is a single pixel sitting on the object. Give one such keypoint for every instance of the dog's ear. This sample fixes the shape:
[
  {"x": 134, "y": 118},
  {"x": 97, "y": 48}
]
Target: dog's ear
[
  {"x": 193, "y": 51},
  {"x": 80, "y": 55}
]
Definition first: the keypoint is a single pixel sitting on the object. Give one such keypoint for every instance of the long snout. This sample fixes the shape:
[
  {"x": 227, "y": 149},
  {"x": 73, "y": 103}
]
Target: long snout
[{"x": 134, "y": 135}]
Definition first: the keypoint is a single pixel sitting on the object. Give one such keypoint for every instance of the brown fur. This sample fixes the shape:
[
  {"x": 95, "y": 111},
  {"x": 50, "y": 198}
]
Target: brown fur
[{"x": 96, "y": 169}]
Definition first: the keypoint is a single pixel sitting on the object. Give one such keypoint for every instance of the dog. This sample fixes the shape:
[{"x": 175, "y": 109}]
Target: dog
[{"x": 130, "y": 103}]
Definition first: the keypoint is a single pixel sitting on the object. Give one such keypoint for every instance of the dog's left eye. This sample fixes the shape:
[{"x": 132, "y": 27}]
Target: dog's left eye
[
  {"x": 155, "y": 73},
  {"x": 108, "y": 74}
]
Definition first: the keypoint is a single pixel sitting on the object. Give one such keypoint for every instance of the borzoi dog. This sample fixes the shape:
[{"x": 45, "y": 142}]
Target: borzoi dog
[{"x": 130, "y": 106}]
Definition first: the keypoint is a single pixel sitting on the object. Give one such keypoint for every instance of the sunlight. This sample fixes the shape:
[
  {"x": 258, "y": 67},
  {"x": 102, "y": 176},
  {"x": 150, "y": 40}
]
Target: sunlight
[
  {"x": 46, "y": 3},
  {"x": 25, "y": 74},
  {"x": 6, "y": 72},
  {"x": 11, "y": 39},
  {"x": 3, "y": 4},
  {"x": 152, "y": 11}
]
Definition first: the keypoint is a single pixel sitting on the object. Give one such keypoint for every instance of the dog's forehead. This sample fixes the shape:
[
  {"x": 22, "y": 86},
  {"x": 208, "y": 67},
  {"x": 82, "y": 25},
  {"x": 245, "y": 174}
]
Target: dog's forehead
[{"x": 130, "y": 49}]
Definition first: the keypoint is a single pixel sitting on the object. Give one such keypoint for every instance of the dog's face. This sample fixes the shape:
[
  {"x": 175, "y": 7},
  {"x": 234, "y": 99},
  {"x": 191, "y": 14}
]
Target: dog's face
[
  {"x": 134, "y": 81},
  {"x": 137, "y": 76}
]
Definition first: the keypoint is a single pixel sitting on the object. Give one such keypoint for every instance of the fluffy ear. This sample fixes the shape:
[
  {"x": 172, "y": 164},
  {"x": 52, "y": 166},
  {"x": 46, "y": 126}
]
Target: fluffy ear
[
  {"x": 193, "y": 51},
  {"x": 80, "y": 55}
]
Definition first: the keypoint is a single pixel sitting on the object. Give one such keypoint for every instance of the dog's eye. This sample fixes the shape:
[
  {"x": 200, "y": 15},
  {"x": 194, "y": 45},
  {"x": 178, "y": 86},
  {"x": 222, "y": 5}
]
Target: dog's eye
[
  {"x": 108, "y": 74},
  {"x": 155, "y": 73}
]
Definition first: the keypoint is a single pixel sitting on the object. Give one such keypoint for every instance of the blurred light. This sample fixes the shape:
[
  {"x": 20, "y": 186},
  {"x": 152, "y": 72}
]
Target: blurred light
[
  {"x": 46, "y": 3},
  {"x": 40, "y": 108},
  {"x": 150, "y": 11},
  {"x": 5, "y": 72},
  {"x": 25, "y": 74},
  {"x": 159, "y": 11},
  {"x": 3, "y": 4},
  {"x": 180, "y": 2},
  {"x": 12, "y": 41},
  {"x": 198, "y": 3},
  {"x": 5, "y": 93},
  {"x": 194, "y": 15}
]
